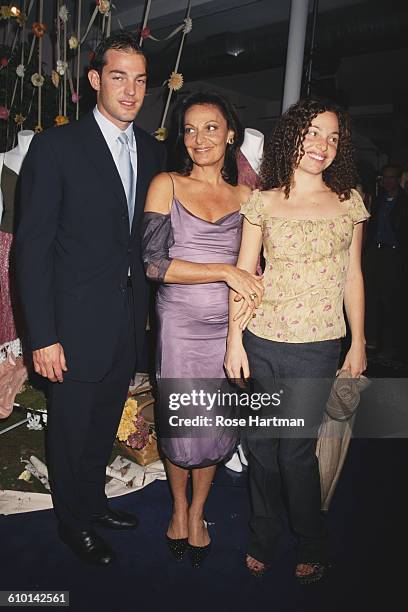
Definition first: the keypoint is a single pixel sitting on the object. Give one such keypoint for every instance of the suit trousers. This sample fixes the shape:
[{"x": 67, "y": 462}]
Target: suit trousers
[
  {"x": 385, "y": 284},
  {"x": 83, "y": 419},
  {"x": 284, "y": 475}
]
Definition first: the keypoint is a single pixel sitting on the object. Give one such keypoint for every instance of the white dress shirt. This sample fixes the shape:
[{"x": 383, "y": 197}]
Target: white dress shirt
[{"x": 111, "y": 132}]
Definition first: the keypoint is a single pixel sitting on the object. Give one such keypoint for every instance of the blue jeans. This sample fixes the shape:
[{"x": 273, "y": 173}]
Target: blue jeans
[{"x": 283, "y": 468}]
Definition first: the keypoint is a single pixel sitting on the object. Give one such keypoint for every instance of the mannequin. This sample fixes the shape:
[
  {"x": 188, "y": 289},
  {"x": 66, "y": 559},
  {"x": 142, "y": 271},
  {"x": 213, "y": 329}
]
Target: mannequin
[
  {"x": 249, "y": 163},
  {"x": 10, "y": 165},
  {"x": 249, "y": 158},
  {"x": 12, "y": 370},
  {"x": 14, "y": 158},
  {"x": 252, "y": 148}
]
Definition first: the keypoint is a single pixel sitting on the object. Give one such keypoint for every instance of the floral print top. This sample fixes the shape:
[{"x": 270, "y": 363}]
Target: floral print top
[{"x": 305, "y": 272}]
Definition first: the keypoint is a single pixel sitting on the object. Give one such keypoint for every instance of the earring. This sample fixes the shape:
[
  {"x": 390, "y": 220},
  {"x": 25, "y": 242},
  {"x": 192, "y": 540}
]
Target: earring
[{"x": 230, "y": 141}]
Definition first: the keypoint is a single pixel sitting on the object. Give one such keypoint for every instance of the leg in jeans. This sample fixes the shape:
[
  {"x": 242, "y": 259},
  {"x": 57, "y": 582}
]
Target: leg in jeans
[
  {"x": 264, "y": 477},
  {"x": 310, "y": 368},
  {"x": 288, "y": 466}
]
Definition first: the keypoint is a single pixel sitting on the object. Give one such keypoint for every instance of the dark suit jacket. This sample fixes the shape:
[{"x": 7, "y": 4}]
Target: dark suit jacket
[
  {"x": 73, "y": 245},
  {"x": 398, "y": 218}
]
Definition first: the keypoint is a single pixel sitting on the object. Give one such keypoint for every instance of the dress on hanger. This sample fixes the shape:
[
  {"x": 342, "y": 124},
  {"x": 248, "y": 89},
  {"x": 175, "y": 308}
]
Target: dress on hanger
[
  {"x": 13, "y": 372},
  {"x": 8, "y": 332}
]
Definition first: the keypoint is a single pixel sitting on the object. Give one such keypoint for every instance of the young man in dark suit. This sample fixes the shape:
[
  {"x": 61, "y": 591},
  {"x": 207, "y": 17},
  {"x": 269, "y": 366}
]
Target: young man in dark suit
[{"x": 83, "y": 287}]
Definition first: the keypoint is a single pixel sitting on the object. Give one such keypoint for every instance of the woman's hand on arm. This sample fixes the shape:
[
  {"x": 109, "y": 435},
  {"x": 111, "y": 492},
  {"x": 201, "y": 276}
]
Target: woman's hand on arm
[
  {"x": 355, "y": 360},
  {"x": 159, "y": 200},
  {"x": 247, "y": 287}
]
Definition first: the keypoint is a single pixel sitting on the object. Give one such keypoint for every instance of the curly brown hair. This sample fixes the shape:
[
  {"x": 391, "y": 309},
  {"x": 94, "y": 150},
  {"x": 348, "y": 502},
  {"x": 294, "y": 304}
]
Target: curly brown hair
[{"x": 284, "y": 149}]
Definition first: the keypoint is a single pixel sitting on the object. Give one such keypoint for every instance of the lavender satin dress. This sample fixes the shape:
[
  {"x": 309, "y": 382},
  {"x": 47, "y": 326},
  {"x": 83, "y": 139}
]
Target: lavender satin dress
[{"x": 192, "y": 324}]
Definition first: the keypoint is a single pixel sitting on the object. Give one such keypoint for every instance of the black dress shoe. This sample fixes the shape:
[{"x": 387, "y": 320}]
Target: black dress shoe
[
  {"x": 87, "y": 545},
  {"x": 113, "y": 519}
]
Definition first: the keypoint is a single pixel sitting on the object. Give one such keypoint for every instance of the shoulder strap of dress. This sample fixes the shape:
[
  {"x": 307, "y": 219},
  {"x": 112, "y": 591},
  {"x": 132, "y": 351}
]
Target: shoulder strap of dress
[{"x": 172, "y": 182}]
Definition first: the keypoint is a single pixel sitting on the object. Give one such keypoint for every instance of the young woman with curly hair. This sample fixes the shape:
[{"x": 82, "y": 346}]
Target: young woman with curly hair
[{"x": 308, "y": 219}]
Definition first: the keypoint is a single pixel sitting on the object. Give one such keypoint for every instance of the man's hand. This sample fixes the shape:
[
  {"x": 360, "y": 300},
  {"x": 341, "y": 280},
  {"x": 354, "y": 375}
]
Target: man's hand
[{"x": 50, "y": 362}]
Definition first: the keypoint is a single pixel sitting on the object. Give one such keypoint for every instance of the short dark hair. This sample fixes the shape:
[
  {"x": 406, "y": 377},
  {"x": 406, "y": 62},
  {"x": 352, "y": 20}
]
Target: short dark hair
[
  {"x": 398, "y": 169},
  {"x": 180, "y": 161},
  {"x": 281, "y": 153},
  {"x": 121, "y": 41}
]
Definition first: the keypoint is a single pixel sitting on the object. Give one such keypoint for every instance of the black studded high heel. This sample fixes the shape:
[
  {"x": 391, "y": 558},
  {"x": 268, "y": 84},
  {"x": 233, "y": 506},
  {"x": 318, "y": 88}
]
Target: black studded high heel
[
  {"x": 198, "y": 553},
  {"x": 177, "y": 547}
]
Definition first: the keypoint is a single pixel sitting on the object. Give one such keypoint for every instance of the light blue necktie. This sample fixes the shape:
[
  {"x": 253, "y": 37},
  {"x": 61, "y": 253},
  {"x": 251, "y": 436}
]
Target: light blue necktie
[{"x": 126, "y": 173}]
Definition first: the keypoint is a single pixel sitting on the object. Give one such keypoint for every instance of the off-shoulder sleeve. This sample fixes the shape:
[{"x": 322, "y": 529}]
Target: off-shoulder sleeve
[
  {"x": 356, "y": 208},
  {"x": 252, "y": 209},
  {"x": 157, "y": 238}
]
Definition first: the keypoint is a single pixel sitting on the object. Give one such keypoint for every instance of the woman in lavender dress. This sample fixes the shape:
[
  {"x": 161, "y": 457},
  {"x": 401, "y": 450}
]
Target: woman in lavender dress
[{"x": 191, "y": 239}]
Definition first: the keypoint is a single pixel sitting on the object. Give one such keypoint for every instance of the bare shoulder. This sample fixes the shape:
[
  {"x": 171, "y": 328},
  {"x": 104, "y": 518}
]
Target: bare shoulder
[
  {"x": 160, "y": 194},
  {"x": 161, "y": 181}
]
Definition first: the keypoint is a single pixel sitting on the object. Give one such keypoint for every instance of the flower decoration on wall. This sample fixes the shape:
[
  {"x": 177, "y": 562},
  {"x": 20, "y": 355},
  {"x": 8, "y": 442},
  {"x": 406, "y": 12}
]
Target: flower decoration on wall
[
  {"x": 38, "y": 129},
  {"x": 161, "y": 133},
  {"x": 175, "y": 81},
  {"x": 55, "y": 78},
  {"x": 20, "y": 70},
  {"x": 4, "y": 62},
  {"x": 145, "y": 33},
  {"x": 37, "y": 80},
  {"x": 61, "y": 120},
  {"x": 63, "y": 13},
  {"x": 75, "y": 97},
  {"x": 7, "y": 11},
  {"x": 73, "y": 42},
  {"x": 38, "y": 29},
  {"x": 19, "y": 119},
  {"x": 104, "y": 6},
  {"x": 188, "y": 25},
  {"x": 61, "y": 67},
  {"x": 4, "y": 113}
]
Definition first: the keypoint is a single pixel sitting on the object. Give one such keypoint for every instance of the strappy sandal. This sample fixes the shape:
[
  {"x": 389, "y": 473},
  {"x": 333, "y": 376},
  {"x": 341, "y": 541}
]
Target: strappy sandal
[
  {"x": 319, "y": 571},
  {"x": 256, "y": 573}
]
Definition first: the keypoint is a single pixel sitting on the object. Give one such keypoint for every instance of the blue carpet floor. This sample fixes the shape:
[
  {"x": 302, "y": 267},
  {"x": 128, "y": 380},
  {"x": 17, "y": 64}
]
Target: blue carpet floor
[{"x": 366, "y": 521}]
